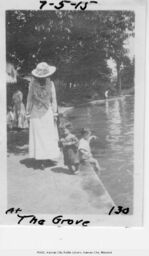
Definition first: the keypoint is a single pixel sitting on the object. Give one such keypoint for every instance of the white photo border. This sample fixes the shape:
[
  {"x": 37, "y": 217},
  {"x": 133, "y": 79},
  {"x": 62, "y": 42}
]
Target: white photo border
[{"x": 124, "y": 221}]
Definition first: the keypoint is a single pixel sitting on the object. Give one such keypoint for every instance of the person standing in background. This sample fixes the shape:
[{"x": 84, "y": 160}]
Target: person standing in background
[
  {"x": 106, "y": 94},
  {"x": 19, "y": 112}
]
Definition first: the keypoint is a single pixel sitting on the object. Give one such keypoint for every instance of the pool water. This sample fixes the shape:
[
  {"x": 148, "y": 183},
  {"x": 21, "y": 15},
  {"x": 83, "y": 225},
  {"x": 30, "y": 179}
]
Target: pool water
[{"x": 112, "y": 122}]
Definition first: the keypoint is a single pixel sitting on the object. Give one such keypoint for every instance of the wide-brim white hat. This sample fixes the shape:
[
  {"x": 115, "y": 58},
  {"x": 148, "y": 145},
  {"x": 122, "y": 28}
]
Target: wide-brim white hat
[{"x": 43, "y": 70}]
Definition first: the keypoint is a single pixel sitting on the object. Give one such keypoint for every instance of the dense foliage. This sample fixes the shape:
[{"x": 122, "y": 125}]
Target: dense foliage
[{"x": 78, "y": 43}]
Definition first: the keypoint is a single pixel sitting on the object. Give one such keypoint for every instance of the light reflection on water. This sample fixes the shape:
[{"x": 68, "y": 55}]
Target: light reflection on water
[{"x": 113, "y": 122}]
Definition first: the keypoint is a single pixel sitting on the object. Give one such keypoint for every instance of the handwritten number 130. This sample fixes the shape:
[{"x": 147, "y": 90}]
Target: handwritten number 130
[{"x": 119, "y": 210}]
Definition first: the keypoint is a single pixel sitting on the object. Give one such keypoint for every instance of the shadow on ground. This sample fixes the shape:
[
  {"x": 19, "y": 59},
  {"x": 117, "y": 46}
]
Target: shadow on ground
[
  {"x": 61, "y": 170},
  {"x": 34, "y": 164}
]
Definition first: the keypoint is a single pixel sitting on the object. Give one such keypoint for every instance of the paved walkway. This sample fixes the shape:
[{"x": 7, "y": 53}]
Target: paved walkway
[{"x": 54, "y": 190}]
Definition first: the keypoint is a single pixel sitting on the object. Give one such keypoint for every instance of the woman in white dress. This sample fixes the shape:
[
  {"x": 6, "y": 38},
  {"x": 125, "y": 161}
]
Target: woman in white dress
[{"x": 42, "y": 109}]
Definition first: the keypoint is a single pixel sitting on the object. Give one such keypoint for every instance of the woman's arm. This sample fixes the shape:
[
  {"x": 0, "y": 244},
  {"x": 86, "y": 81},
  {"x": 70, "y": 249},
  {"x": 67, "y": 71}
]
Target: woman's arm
[
  {"x": 29, "y": 100},
  {"x": 54, "y": 100}
]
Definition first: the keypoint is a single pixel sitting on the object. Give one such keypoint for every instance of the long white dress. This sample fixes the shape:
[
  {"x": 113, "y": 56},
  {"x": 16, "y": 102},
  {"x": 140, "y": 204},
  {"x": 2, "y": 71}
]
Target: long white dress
[{"x": 43, "y": 134}]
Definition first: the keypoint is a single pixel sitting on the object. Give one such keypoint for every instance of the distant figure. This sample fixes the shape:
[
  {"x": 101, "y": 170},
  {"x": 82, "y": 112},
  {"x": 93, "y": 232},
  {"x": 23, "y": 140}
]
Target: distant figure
[
  {"x": 85, "y": 150},
  {"x": 20, "y": 120},
  {"x": 69, "y": 144},
  {"x": 106, "y": 94},
  {"x": 10, "y": 117}
]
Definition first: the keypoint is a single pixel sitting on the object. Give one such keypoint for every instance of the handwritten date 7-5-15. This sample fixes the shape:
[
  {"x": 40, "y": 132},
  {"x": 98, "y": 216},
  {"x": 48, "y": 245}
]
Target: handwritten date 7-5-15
[{"x": 82, "y": 5}]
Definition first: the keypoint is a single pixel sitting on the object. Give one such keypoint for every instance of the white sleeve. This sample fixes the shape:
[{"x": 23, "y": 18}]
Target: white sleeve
[
  {"x": 54, "y": 100},
  {"x": 29, "y": 99}
]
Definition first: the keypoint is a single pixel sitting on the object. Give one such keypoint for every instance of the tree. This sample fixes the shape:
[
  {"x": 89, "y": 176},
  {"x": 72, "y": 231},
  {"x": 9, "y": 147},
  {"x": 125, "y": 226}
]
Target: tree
[
  {"x": 127, "y": 73},
  {"x": 119, "y": 26},
  {"x": 78, "y": 43}
]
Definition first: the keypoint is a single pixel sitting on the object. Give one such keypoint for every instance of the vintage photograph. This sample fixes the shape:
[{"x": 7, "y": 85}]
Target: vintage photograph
[{"x": 70, "y": 111}]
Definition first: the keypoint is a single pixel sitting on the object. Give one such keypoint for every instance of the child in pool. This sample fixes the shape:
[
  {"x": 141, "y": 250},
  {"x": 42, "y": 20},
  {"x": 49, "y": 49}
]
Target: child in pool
[
  {"x": 69, "y": 144},
  {"x": 85, "y": 150}
]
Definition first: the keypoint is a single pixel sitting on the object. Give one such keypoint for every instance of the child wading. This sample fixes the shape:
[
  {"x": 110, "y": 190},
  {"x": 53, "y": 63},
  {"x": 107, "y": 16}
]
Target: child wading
[
  {"x": 85, "y": 154},
  {"x": 69, "y": 144}
]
